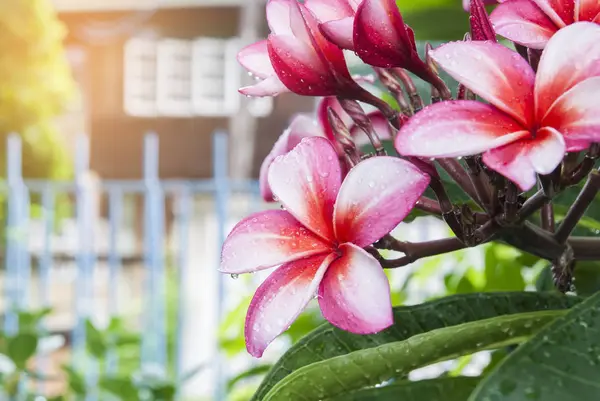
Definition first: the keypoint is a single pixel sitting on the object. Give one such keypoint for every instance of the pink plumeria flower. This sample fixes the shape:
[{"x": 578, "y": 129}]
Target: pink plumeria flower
[
  {"x": 337, "y": 19},
  {"x": 296, "y": 57},
  {"x": 530, "y": 121},
  {"x": 319, "y": 239},
  {"x": 305, "y": 126},
  {"x": 532, "y": 23},
  {"x": 374, "y": 29}
]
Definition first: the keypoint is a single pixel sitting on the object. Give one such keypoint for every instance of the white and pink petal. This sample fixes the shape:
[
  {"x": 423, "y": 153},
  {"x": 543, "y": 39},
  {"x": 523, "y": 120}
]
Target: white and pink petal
[
  {"x": 340, "y": 32},
  {"x": 586, "y": 10},
  {"x": 376, "y": 195},
  {"x": 523, "y": 22},
  {"x": 494, "y": 72},
  {"x": 281, "y": 298},
  {"x": 354, "y": 294},
  {"x": 522, "y": 160},
  {"x": 268, "y": 239},
  {"x": 270, "y": 86},
  {"x": 576, "y": 114},
  {"x": 306, "y": 181},
  {"x": 457, "y": 128},
  {"x": 561, "y": 12},
  {"x": 255, "y": 58},
  {"x": 571, "y": 56}
]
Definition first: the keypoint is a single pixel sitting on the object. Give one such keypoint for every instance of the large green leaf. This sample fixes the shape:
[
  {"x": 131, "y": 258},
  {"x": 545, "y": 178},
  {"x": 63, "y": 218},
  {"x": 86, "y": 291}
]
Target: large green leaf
[
  {"x": 365, "y": 368},
  {"x": 446, "y": 389},
  {"x": 560, "y": 363},
  {"x": 328, "y": 342},
  {"x": 21, "y": 347}
]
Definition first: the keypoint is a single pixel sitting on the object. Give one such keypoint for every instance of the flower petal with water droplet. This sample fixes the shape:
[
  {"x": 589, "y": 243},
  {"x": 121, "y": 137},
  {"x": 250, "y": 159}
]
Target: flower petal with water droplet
[
  {"x": 576, "y": 114},
  {"x": 354, "y": 295},
  {"x": 375, "y": 197},
  {"x": 306, "y": 181},
  {"x": 571, "y": 56},
  {"x": 281, "y": 298},
  {"x": 494, "y": 72},
  {"x": 268, "y": 239},
  {"x": 523, "y": 22},
  {"x": 521, "y": 160},
  {"x": 302, "y": 126},
  {"x": 561, "y": 12},
  {"x": 380, "y": 36},
  {"x": 457, "y": 128}
]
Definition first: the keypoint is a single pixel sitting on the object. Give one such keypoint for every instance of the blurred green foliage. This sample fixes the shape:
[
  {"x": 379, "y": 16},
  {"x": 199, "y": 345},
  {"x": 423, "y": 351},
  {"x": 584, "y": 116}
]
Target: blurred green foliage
[{"x": 37, "y": 85}]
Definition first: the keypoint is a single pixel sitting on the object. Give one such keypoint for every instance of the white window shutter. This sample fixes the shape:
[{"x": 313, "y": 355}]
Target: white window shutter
[
  {"x": 173, "y": 84},
  {"x": 140, "y": 77}
]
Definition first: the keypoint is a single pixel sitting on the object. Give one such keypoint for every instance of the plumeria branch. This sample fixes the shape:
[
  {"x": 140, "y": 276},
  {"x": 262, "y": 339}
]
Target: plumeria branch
[
  {"x": 418, "y": 250},
  {"x": 360, "y": 118},
  {"x": 578, "y": 208},
  {"x": 460, "y": 176},
  {"x": 584, "y": 168}
]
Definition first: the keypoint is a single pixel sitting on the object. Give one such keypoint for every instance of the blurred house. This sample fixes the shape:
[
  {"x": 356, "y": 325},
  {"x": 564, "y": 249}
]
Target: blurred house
[{"x": 168, "y": 66}]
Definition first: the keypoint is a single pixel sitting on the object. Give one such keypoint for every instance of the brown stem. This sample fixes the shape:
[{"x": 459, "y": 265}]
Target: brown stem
[
  {"x": 343, "y": 137},
  {"x": 428, "y": 205},
  {"x": 418, "y": 250},
  {"x": 479, "y": 181},
  {"x": 585, "y": 248},
  {"x": 532, "y": 205},
  {"x": 413, "y": 95},
  {"x": 391, "y": 244},
  {"x": 510, "y": 203},
  {"x": 578, "y": 208},
  {"x": 360, "y": 118},
  {"x": 388, "y": 80},
  {"x": 460, "y": 176},
  {"x": 547, "y": 217},
  {"x": 532, "y": 239},
  {"x": 448, "y": 211},
  {"x": 584, "y": 168},
  {"x": 393, "y": 116}
]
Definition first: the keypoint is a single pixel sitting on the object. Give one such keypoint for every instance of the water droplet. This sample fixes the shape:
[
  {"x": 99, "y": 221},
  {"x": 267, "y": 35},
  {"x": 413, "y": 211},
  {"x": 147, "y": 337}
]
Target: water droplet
[{"x": 235, "y": 276}]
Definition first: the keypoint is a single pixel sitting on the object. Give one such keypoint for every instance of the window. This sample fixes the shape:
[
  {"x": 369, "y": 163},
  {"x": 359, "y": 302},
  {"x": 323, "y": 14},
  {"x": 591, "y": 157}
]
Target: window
[
  {"x": 140, "y": 77},
  {"x": 184, "y": 78},
  {"x": 173, "y": 73}
]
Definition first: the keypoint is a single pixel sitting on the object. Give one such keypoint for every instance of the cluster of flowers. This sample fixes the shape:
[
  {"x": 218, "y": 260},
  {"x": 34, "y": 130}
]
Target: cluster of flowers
[{"x": 540, "y": 102}]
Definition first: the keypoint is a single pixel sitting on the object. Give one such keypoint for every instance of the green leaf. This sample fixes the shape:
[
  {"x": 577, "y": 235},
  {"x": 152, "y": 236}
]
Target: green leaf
[
  {"x": 560, "y": 363},
  {"x": 258, "y": 370},
  {"x": 29, "y": 320},
  {"x": 75, "y": 380},
  {"x": 164, "y": 392},
  {"x": 446, "y": 389},
  {"x": 587, "y": 278},
  {"x": 328, "y": 342},
  {"x": 121, "y": 387},
  {"x": 94, "y": 340},
  {"x": 336, "y": 376},
  {"x": 544, "y": 281},
  {"x": 501, "y": 274},
  {"x": 21, "y": 347}
]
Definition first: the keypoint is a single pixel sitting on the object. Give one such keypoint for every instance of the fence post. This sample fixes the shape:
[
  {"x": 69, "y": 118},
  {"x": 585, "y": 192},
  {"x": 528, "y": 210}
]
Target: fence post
[
  {"x": 222, "y": 191},
  {"x": 184, "y": 207},
  {"x": 18, "y": 269},
  {"x": 154, "y": 336},
  {"x": 45, "y": 265},
  {"x": 85, "y": 259},
  {"x": 115, "y": 205}
]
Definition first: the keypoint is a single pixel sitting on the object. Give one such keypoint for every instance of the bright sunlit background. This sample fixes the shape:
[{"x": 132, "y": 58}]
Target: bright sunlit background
[{"x": 127, "y": 155}]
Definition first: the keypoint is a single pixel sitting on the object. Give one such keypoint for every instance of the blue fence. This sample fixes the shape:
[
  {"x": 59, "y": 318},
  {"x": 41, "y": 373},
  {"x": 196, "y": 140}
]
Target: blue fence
[{"x": 18, "y": 258}]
